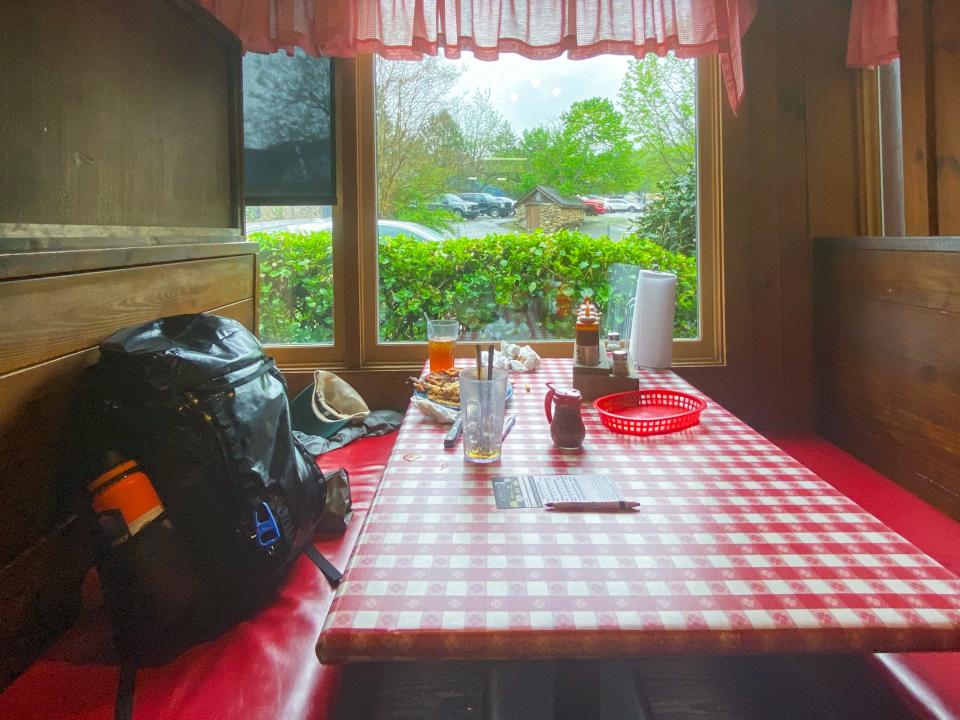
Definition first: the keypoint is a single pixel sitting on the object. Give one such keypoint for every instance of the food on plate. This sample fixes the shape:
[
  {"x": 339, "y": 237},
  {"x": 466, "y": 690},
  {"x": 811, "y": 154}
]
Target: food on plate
[{"x": 441, "y": 387}]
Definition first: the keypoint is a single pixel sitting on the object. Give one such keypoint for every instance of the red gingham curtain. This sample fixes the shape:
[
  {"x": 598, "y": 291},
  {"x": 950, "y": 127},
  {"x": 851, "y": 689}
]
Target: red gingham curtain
[
  {"x": 539, "y": 29},
  {"x": 874, "y": 30}
]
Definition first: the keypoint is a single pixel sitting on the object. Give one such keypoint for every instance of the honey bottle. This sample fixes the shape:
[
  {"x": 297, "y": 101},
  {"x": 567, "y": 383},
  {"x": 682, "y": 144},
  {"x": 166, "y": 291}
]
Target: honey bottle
[{"x": 586, "y": 350}]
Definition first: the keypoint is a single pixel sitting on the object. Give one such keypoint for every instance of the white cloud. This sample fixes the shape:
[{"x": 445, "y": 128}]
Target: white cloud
[{"x": 530, "y": 92}]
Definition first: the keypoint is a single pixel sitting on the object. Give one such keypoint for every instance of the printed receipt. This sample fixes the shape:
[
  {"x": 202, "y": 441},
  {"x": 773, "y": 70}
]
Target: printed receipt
[{"x": 533, "y": 491}]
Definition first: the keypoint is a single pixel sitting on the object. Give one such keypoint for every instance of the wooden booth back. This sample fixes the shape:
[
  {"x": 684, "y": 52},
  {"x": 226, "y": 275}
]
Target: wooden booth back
[
  {"x": 887, "y": 327},
  {"x": 120, "y": 202}
]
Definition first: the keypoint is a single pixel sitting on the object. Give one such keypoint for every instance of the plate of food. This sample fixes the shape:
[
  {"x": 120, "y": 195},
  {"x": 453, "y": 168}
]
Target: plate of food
[{"x": 443, "y": 387}]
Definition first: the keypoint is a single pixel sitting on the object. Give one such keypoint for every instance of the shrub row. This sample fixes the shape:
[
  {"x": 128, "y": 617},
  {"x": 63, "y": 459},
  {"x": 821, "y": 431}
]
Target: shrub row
[{"x": 506, "y": 286}]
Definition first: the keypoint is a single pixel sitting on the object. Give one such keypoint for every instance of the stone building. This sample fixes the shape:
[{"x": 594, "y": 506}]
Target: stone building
[{"x": 545, "y": 208}]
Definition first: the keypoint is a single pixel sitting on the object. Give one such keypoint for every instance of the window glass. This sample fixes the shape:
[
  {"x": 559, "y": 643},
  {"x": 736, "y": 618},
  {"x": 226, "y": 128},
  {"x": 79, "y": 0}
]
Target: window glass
[
  {"x": 543, "y": 182},
  {"x": 296, "y": 272},
  {"x": 288, "y": 129}
]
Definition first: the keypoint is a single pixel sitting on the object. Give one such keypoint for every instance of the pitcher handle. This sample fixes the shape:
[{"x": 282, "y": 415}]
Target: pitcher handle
[{"x": 548, "y": 403}]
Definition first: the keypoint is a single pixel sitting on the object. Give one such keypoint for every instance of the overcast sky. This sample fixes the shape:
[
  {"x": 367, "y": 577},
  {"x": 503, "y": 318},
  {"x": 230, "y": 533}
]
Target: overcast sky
[{"x": 529, "y": 92}]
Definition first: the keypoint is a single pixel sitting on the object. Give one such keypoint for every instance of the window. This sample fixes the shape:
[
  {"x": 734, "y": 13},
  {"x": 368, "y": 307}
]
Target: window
[
  {"x": 547, "y": 179},
  {"x": 455, "y": 199},
  {"x": 296, "y": 272},
  {"x": 290, "y": 191},
  {"x": 623, "y": 153}
]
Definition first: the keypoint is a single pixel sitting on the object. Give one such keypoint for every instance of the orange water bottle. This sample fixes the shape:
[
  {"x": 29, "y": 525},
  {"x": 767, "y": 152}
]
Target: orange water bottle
[{"x": 124, "y": 493}]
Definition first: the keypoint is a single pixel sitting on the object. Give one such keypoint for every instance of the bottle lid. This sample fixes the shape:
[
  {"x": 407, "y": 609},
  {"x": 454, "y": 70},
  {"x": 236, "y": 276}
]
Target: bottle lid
[
  {"x": 111, "y": 474},
  {"x": 568, "y": 396}
]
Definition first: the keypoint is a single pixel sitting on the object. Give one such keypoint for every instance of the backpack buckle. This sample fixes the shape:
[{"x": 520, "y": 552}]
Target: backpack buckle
[{"x": 265, "y": 526}]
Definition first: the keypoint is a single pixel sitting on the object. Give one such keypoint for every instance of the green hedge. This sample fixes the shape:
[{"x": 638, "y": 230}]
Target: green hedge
[{"x": 499, "y": 286}]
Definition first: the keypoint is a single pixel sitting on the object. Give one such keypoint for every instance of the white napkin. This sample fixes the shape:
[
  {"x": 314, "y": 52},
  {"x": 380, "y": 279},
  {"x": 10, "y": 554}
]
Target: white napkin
[
  {"x": 437, "y": 413},
  {"x": 651, "y": 335},
  {"x": 516, "y": 358}
]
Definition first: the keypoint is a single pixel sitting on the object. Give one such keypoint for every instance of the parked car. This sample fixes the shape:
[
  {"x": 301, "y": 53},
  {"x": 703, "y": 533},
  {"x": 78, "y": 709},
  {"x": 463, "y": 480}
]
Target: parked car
[
  {"x": 385, "y": 228},
  {"x": 594, "y": 205},
  {"x": 454, "y": 203},
  {"x": 491, "y": 205},
  {"x": 619, "y": 204}
]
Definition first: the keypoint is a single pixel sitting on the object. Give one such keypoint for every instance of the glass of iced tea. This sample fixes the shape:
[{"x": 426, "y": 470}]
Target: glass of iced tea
[{"x": 442, "y": 343}]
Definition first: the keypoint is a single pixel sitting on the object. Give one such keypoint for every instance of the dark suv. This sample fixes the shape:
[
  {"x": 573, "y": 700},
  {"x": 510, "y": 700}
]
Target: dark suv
[
  {"x": 464, "y": 208},
  {"x": 490, "y": 204}
]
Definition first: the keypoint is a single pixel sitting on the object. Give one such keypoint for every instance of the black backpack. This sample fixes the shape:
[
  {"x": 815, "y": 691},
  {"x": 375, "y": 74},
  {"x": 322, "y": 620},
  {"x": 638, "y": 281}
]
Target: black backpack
[{"x": 196, "y": 403}]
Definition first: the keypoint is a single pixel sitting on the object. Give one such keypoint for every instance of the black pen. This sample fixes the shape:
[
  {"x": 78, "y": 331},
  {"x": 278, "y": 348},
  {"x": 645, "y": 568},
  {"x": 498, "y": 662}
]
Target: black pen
[
  {"x": 601, "y": 506},
  {"x": 508, "y": 426}
]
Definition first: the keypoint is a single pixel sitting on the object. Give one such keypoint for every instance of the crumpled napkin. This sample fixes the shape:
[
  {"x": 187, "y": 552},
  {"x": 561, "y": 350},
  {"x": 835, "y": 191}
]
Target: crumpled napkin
[
  {"x": 514, "y": 358},
  {"x": 437, "y": 413}
]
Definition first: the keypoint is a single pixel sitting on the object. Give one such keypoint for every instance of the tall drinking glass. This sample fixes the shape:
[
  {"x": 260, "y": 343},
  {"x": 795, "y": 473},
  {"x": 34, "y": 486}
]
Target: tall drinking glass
[
  {"x": 481, "y": 407},
  {"x": 442, "y": 343}
]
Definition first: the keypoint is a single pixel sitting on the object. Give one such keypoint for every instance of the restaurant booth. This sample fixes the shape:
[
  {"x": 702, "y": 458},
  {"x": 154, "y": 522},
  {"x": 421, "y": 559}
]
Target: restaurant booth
[{"x": 795, "y": 554}]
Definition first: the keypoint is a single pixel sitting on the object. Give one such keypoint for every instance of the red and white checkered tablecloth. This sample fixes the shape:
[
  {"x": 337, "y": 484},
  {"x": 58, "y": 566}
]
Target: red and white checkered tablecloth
[{"x": 738, "y": 548}]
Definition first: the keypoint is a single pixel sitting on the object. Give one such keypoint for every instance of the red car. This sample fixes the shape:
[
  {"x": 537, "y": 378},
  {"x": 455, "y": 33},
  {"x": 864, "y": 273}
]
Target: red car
[{"x": 595, "y": 206}]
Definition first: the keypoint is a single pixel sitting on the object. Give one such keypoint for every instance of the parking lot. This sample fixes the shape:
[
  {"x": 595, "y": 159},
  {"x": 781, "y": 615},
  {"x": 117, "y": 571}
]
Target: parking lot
[{"x": 615, "y": 225}]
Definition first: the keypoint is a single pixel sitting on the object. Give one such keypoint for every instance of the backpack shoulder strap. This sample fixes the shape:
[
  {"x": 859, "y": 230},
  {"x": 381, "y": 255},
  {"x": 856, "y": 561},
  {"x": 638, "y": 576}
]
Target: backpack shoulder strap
[
  {"x": 330, "y": 572},
  {"x": 126, "y": 686}
]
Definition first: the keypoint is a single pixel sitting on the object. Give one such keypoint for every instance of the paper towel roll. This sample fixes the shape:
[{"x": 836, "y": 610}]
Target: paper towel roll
[{"x": 651, "y": 334}]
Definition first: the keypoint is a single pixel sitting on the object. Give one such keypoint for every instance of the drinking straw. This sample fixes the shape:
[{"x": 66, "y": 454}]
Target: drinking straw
[
  {"x": 490, "y": 363},
  {"x": 479, "y": 363}
]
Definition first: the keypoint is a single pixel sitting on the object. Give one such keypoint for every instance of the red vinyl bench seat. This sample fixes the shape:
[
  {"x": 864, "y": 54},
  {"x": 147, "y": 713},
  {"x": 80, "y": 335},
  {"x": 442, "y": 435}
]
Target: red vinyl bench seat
[
  {"x": 265, "y": 667},
  {"x": 928, "y": 682}
]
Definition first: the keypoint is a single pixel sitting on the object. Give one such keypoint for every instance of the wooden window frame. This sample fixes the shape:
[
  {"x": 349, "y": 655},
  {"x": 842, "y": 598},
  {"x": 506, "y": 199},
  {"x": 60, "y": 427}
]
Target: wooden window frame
[{"x": 355, "y": 272}]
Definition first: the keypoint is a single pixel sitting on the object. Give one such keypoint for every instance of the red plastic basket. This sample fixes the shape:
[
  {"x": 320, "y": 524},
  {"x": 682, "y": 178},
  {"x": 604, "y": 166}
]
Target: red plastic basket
[{"x": 649, "y": 412}]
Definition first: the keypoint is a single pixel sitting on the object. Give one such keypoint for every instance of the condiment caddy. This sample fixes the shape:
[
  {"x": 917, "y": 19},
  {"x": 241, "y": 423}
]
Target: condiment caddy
[{"x": 600, "y": 370}]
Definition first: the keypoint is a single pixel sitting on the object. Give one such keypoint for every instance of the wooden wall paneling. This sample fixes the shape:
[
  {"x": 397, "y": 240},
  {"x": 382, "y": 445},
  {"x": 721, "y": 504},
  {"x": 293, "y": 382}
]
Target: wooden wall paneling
[
  {"x": 888, "y": 359},
  {"x": 945, "y": 36},
  {"x": 795, "y": 205},
  {"x": 34, "y": 264},
  {"x": 833, "y": 126},
  {"x": 118, "y": 113},
  {"x": 791, "y": 171},
  {"x": 40, "y": 594},
  {"x": 917, "y": 117},
  {"x": 869, "y": 149},
  {"x": 52, "y": 316},
  {"x": 32, "y": 415},
  {"x": 120, "y": 201},
  {"x": 751, "y": 383}
]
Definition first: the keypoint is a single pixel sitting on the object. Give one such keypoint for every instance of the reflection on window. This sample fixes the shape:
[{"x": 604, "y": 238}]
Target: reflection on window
[
  {"x": 296, "y": 272},
  {"x": 288, "y": 129},
  {"x": 525, "y": 186}
]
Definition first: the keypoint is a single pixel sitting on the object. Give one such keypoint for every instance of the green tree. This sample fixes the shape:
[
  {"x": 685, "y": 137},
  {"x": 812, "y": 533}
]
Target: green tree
[
  {"x": 409, "y": 98},
  {"x": 588, "y": 151},
  {"x": 484, "y": 131},
  {"x": 671, "y": 219},
  {"x": 658, "y": 100}
]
